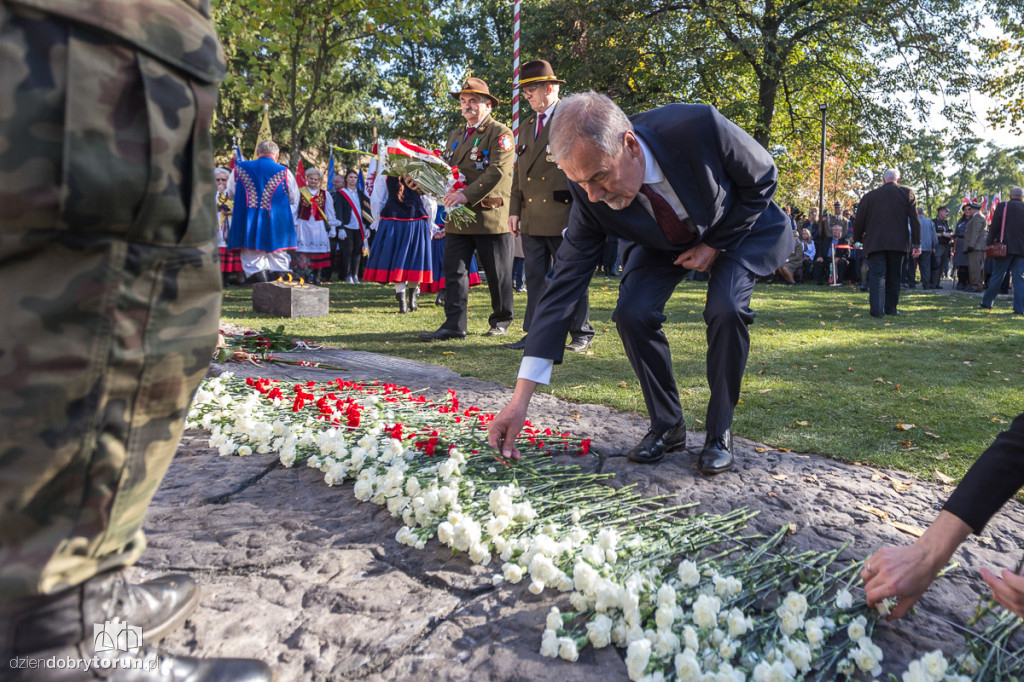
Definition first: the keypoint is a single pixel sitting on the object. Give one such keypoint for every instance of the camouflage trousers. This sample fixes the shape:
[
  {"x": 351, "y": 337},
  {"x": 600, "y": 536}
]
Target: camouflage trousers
[{"x": 111, "y": 292}]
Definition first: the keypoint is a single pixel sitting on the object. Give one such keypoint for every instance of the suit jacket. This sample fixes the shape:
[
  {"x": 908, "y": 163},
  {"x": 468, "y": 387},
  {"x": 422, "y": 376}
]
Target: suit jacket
[
  {"x": 1014, "y": 212},
  {"x": 725, "y": 181},
  {"x": 974, "y": 237},
  {"x": 882, "y": 217},
  {"x": 488, "y": 176},
  {"x": 540, "y": 190}
]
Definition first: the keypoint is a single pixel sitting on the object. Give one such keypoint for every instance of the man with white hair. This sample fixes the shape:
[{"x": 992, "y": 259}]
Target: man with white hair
[
  {"x": 883, "y": 215},
  {"x": 262, "y": 223},
  {"x": 684, "y": 189},
  {"x": 1008, "y": 227}
]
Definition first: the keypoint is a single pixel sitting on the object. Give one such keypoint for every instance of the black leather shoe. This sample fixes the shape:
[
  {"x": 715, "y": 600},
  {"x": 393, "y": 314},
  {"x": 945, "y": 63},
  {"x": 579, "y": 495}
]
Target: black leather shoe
[
  {"x": 516, "y": 345},
  {"x": 496, "y": 331},
  {"x": 652, "y": 448},
  {"x": 439, "y": 301},
  {"x": 716, "y": 457},
  {"x": 442, "y": 334},
  {"x": 581, "y": 344}
]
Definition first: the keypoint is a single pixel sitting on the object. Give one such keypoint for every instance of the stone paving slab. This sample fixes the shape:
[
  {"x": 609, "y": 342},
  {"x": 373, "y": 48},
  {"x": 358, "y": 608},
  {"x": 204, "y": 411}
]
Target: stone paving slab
[{"x": 312, "y": 581}]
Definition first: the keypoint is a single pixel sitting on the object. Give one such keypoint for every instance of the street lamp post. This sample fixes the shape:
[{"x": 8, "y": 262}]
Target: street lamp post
[{"x": 821, "y": 169}]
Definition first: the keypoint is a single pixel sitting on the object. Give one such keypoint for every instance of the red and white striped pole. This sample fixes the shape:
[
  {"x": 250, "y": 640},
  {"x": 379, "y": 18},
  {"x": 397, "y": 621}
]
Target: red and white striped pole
[{"x": 515, "y": 72}]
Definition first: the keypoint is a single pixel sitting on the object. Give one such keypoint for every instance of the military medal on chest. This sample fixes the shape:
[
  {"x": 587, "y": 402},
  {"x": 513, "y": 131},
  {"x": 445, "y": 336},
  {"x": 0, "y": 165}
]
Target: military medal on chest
[{"x": 548, "y": 158}]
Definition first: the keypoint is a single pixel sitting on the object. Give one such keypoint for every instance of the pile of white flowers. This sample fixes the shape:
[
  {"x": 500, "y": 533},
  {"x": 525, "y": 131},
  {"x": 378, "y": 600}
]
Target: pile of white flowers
[{"x": 761, "y": 613}]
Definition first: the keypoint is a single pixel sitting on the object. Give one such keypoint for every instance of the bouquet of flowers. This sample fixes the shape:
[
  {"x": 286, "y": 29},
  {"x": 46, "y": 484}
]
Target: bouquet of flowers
[{"x": 401, "y": 158}]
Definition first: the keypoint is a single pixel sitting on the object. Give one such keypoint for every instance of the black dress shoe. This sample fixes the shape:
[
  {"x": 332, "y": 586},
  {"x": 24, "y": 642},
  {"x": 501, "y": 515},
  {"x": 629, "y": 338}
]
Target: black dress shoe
[
  {"x": 496, "y": 331},
  {"x": 716, "y": 457},
  {"x": 442, "y": 334},
  {"x": 652, "y": 448},
  {"x": 581, "y": 344},
  {"x": 516, "y": 345},
  {"x": 439, "y": 301}
]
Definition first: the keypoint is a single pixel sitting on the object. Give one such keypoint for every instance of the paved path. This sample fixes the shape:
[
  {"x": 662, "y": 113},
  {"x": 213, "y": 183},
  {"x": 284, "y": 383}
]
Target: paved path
[{"x": 312, "y": 581}]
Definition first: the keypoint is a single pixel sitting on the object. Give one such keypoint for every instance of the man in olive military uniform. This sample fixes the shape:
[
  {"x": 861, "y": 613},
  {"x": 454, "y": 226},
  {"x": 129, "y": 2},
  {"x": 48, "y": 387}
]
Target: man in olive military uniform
[
  {"x": 482, "y": 151},
  {"x": 111, "y": 306},
  {"x": 541, "y": 201},
  {"x": 974, "y": 245}
]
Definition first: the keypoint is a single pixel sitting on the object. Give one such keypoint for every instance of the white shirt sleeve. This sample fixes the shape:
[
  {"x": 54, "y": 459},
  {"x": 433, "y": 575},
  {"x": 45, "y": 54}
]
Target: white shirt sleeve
[
  {"x": 378, "y": 199},
  {"x": 430, "y": 204},
  {"x": 230, "y": 189},
  {"x": 536, "y": 369},
  {"x": 293, "y": 194},
  {"x": 332, "y": 218}
]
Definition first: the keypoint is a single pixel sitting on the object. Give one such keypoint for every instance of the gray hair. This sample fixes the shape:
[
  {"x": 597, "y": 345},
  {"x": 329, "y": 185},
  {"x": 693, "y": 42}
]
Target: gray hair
[
  {"x": 1016, "y": 193},
  {"x": 267, "y": 148},
  {"x": 891, "y": 175},
  {"x": 588, "y": 118},
  {"x": 221, "y": 171},
  {"x": 314, "y": 170}
]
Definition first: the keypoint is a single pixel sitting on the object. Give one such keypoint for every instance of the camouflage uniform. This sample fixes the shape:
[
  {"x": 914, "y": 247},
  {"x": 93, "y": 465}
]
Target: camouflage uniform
[{"x": 111, "y": 286}]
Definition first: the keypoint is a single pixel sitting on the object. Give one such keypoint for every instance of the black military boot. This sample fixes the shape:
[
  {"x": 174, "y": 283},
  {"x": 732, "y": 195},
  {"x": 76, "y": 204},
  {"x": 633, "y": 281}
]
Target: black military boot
[
  {"x": 414, "y": 295},
  {"x": 402, "y": 308},
  {"x": 106, "y": 617}
]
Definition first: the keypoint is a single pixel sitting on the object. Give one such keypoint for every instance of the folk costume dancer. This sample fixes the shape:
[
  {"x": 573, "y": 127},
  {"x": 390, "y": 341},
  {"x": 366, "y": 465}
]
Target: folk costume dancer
[
  {"x": 263, "y": 223},
  {"x": 230, "y": 262},
  {"x": 685, "y": 189},
  {"x": 352, "y": 237},
  {"x": 401, "y": 250},
  {"x": 482, "y": 151},
  {"x": 541, "y": 202},
  {"x": 314, "y": 223}
]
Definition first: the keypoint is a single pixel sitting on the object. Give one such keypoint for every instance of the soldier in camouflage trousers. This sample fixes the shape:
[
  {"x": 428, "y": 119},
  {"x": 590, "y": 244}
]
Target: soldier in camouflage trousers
[{"x": 110, "y": 310}]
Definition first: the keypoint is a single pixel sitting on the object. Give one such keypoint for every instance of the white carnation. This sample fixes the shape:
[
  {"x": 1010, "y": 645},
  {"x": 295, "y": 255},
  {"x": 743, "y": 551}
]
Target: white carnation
[
  {"x": 512, "y": 572},
  {"x": 705, "y": 611},
  {"x": 599, "y": 631},
  {"x": 935, "y": 663},
  {"x": 844, "y": 600},
  {"x": 688, "y": 667},
  {"x": 567, "y": 649},
  {"x": 549, "y": 644},
  {"x": 554, "y": 619},
  {"x": 857, "y": 629},
  {"x": 689, "y": 575},
  {"x": 638, "y": 655}
]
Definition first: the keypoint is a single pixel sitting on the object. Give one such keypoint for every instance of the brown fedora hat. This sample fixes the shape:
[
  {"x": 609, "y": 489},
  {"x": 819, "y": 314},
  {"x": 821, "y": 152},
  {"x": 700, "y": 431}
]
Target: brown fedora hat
[
  {"x": 476, "y": 86},
  {"x": 536, "y": 72}
]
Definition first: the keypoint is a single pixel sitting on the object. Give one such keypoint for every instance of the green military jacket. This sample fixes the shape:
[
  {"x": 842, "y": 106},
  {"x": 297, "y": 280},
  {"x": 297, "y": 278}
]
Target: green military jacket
[
  {"x": 177, "y": 32},
  {"x": 540, "y": 190},
  {"x": 485, "y": 162},
  {"x": 976, "y": 236}
]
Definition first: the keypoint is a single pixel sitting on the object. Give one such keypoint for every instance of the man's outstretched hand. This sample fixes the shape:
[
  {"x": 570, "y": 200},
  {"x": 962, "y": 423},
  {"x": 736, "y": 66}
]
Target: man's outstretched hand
[{"x": 506, "y": 425}]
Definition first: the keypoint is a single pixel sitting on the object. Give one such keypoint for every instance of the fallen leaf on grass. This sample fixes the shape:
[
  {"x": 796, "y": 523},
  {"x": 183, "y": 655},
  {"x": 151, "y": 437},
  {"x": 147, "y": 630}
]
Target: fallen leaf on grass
[
  {"x": 943, "y": 478},
  {"x": 871, "y": 510},
  {"x": 907, "y": 528},
  {"x": 765, "y": 390},
  {"x": 803, "y": 423},
  {"x": 622, "y": 384},
  {"x": 933, "y": 435},
  {"x": 447, "y": 352},
  {"x": 944, "y": 455},
  {"x": 879, "y": 380},
  {"x": 998, "y": 420},
  {"x": 904, "y": 427}
]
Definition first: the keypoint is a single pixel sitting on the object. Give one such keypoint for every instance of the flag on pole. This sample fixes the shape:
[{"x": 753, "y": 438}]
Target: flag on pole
[
  {"x": 984, "y": 203},
  {"x": 996, "y": 200},
  {"x": 330, "y": 173},
  {"x": 361, "y": 182},
  {"x": 264, "y": 133},
  {"x": 300, "y": 174}
]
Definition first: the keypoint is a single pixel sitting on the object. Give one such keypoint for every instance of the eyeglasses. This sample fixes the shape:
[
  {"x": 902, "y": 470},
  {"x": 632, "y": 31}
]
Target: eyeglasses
[{"x": 533, "y": 88}]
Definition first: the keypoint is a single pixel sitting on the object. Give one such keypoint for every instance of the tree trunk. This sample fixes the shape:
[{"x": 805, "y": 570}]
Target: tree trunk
[{"x": 767, "y": 91}]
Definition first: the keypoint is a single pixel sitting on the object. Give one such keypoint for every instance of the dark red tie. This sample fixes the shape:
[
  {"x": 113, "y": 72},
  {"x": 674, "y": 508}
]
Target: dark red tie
[
  {"x": 676, "y": 231},
  {"x": 469, "y": 131},
  {"x": 540, "y": 125}
]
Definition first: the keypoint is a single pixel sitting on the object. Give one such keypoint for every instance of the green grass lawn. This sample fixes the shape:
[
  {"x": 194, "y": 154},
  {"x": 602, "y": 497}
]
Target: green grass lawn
[{"x": 823, "y": 375}]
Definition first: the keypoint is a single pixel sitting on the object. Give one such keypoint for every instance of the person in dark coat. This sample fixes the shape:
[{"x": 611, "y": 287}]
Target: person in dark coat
[
  {"x": 684, "y": 189},
  {"x": 881, "y": 224},
  {"x": 1007, "y": 226},
  {"x": 906, "y": 572}
]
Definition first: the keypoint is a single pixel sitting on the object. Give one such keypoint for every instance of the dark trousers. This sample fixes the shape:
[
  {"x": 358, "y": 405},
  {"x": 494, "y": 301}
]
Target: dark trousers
[
  {"x": 539, "y": 255},
  {"x": 910, "y": 271},
  {"x": 925, "y": 263},
  {"x": 350, "y": 251},
  {"x": 610, "y": 263},
  {"x": 494, "y": 255},
  {"x": 822, "y": 270},
  {"x": 885, "y": 266},
  {"x": 639, "y": 316},
  {"x": 941, "y": 261},
  {"x": 518, "y": 273}
]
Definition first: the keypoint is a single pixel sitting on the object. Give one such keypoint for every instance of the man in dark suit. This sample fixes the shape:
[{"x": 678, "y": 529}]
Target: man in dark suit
[
  {"x": 684, "y": 189},
  {"x": 541, "y": 201},
  {"x": 881, "y": 224}
]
